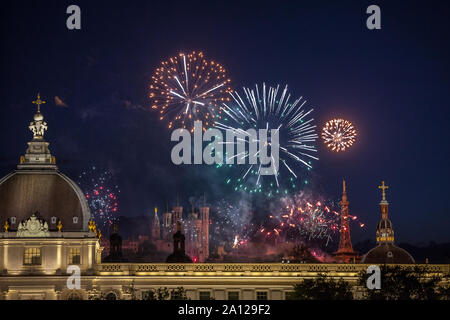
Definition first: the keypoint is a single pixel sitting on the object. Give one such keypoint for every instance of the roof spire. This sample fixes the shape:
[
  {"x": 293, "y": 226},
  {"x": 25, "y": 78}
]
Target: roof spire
[{"x": 344, "y": 191}]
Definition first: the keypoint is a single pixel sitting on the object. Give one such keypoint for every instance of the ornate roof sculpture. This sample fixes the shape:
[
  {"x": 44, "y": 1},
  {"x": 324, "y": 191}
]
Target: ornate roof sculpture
[{"x": 33, "y": 227}]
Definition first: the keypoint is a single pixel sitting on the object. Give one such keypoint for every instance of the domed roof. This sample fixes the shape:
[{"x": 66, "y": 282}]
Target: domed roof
[
  {"x": 386, "y": 253},
  {"x": 48, "y": 192}
]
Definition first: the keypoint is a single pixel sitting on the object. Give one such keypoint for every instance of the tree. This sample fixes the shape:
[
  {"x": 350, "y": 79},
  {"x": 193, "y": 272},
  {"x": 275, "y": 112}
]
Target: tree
[
  {"x": 164, "y": 294},
  {"x": 322, "y": 288},
  {"x": 405, "y": 283}
]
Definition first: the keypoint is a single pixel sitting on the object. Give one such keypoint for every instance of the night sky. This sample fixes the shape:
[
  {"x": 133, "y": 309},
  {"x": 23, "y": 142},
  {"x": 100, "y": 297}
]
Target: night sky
[{"x": 393, "y": 84}]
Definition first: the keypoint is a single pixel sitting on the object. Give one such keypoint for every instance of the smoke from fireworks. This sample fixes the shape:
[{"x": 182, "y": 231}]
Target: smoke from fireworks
[
  {"x": 272, "y": 109},
  {"x": 338, "y": 134},
  {"x": 188, "y": 87},
  {"x": 102, "y": 195}
]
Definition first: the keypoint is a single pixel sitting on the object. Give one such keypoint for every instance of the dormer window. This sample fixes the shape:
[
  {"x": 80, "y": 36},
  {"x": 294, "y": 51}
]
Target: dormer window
[
  {"x": 53, "y": 220},
  {"x": 75, "y": 220}
]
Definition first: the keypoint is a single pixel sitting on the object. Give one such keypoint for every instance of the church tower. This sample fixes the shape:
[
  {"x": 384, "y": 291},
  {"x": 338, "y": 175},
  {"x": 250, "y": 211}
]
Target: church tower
[
  {"x": 156, "y": 227},
  {"x": 167, "y": 224},
  {"x": 385, "y": 230},
  {"x": 386, "y": 251},
  {"x": 177, "y": 216},
  {"x": 345, "y": 252}
]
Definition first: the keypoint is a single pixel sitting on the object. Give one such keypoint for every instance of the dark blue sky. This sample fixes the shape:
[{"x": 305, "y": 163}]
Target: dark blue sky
[{"x": 393, "y": 84}]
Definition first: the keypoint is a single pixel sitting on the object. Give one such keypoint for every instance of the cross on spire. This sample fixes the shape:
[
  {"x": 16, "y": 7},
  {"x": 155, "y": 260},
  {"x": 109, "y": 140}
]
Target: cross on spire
[
  {"x": 38, "y": 102},
  {"x": 383, "y": 187}
]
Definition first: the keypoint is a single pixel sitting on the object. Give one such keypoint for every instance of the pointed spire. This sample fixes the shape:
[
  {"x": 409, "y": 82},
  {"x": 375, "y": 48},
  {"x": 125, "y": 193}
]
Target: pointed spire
[{"x": 344, "y": 191}]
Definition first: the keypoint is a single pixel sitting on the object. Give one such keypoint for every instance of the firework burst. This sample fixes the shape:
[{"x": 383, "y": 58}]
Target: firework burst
[
  {"x": 188, "y": 87},
  {"x": 272, "y": 109},
  {"x": 338, "y": 134},
  {"x": 303, "y": 218},
  {"x": 231, "y": 223},
  {"x": 102, "y": 196}
]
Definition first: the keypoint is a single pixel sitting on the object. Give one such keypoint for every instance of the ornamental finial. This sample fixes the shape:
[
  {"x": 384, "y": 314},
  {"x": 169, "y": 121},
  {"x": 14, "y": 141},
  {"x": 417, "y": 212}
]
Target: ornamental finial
[
  {"x": 383, "y": 187},
  {"x": 38, "y": 126}
]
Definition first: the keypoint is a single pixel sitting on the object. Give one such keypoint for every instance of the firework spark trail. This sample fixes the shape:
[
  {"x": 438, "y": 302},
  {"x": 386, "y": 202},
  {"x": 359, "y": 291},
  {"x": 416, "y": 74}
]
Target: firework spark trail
[
  {"x": 102, "y": 196},
  {"x": 338, "y": 134},
  {"x": 266, "y": 110},
  {"x": 187, "y": 87}
]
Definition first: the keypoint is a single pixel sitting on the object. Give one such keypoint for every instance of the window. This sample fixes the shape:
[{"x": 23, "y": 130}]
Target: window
[
  {"x": 74, "y": 256},
  {"x": 32, "y": 256},
  {"x": 75, "y": 219},
  {"x": 261, "y": 295},
  {"x": 53, "y": 220},
  {"x": 13, "y": 220},
  {"x": 233, "y": 295},
  {"x": 204, "y": 295}
]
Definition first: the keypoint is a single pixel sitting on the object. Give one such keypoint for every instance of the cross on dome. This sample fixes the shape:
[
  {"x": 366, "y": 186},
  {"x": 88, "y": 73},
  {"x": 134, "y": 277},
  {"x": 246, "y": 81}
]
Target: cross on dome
[{"x": 383, "y": 187}]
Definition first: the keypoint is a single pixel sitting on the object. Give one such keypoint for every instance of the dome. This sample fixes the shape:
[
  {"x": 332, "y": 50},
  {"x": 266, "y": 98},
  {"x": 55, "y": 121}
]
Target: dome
[
  {"x": 49, "y": 193},
  {"x": 387, "y": 253}
]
